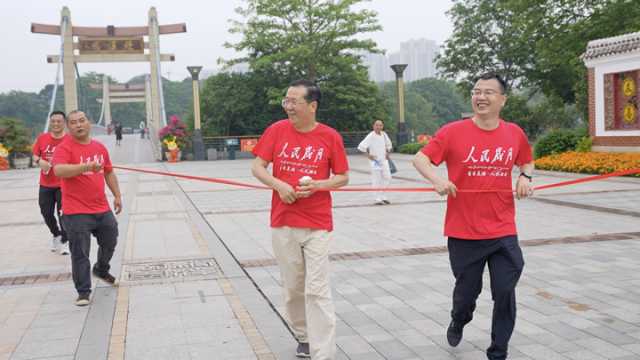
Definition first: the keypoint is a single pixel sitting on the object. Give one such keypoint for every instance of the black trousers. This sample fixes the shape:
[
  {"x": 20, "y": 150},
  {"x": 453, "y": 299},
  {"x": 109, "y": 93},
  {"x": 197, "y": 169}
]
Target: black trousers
[
  {"x": 468, "y": 259},
  {"x": 50, "y": 201},
  {"x": 79, "y": 229}
]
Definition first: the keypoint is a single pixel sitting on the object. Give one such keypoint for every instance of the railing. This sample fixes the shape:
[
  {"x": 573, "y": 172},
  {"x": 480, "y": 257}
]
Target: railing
[{"x": 232, "y": 147}]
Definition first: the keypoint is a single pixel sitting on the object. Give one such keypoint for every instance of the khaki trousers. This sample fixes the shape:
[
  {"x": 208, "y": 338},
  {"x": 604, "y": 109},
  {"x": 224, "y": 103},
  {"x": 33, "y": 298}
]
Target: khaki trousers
[{"x": 303, "y": 258}]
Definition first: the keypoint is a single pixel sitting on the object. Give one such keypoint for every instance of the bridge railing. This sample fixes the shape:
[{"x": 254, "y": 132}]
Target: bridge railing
[{"x": 239, "y": 147}]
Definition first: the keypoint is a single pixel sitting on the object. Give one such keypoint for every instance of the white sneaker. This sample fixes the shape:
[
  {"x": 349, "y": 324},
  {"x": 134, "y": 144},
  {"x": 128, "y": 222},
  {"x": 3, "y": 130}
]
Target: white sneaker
[
  {"x": 64, "y": 248},
  {"x": 55, "y": 243}
]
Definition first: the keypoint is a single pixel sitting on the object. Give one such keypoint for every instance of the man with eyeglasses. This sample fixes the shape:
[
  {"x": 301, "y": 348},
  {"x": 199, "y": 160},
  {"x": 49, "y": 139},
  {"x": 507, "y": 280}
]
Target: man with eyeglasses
[
  {"x": 304, "y": 153},
  {"x": 480, "y": 153}
]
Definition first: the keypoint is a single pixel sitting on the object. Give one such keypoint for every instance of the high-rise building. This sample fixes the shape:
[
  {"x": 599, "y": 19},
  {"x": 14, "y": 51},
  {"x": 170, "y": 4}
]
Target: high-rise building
[{"x": 418, "y": 54}]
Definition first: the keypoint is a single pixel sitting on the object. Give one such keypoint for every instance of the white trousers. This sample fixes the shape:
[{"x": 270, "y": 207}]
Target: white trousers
[
  {"x": 303, "y": 258},
  {"x": 380, "y": 178}
]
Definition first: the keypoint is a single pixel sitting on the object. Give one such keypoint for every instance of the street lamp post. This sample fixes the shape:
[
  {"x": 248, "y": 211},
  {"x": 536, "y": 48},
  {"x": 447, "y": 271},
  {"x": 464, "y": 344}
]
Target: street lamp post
[
  {"x": 198, "y": 144},
  {"x": 402, "y": 136}
]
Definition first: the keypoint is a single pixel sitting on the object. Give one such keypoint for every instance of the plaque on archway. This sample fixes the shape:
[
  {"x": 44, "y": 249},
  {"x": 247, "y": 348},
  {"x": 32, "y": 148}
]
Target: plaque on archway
[{"x": 119, "y": 45}]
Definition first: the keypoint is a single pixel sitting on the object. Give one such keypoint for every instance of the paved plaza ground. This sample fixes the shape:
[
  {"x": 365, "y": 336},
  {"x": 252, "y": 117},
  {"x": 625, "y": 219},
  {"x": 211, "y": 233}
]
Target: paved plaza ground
[{"x": 198, "y": 279}]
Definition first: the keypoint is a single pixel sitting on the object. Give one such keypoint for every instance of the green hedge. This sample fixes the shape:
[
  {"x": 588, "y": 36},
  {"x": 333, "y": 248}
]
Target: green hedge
[
  {"x": 558, "y": 141},
  {"x": 410, "y": 148}
]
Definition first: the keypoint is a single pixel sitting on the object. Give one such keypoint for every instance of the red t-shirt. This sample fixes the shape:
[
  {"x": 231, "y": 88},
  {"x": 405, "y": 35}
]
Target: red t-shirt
[
  {"x": 479, "y": 159},
  {"x": 43, "y": 148},
  {"x": 317, "y": 154},
  {"x": 83, "y": 194}
]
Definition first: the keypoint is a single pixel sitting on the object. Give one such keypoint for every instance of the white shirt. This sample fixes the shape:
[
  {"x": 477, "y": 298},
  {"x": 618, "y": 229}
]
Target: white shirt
[{"x": 376, "y": 145}]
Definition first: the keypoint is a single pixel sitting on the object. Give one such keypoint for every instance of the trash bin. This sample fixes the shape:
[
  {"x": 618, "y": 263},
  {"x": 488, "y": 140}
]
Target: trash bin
[{"x": 232, "y": 144}]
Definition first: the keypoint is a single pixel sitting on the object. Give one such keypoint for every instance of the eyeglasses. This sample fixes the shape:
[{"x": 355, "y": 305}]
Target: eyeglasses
[
  {"x": 488, "y": 92},
  {"x": 292, "y": 102}
]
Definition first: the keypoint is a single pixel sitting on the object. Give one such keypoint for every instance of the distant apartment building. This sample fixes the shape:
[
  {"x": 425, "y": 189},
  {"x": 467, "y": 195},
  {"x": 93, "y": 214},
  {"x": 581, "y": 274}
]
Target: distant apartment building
[{"x": 418, "y": 54}]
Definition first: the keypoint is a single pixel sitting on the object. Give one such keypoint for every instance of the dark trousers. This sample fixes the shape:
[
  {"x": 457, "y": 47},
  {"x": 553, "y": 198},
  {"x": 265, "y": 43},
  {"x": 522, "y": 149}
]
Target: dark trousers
[
  {"x": 468, "y": 259},
  {"x": 50, "y": 201},
  {"x": 79, "y": 229}
]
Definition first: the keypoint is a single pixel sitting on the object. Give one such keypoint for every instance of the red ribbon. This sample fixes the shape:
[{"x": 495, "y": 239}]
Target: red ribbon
[{"x": 389, "y": 189}]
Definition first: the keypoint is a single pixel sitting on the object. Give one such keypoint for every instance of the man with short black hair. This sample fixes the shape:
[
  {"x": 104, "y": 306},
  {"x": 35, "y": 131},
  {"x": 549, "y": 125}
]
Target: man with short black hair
[
  {"x": 304, "y": 154},
  {"x": 480, "y": 153},
  {"x": 49, "y": 195},
  {"x": 84, "y": 166},
  {"x": 377, "y": 145}
]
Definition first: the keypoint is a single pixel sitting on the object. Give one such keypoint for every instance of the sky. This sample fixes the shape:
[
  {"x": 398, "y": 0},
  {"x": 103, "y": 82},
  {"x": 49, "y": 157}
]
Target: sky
[{"x": 23, "y": 63}]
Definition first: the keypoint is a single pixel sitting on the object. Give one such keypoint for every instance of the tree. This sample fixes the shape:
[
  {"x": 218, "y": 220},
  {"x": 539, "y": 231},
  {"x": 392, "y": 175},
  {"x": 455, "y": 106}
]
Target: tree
[
  {"x": 315, "y": 39},
  {"x": 429, "y": 104},
  {"x": 14, "y": 135},
  {"x": 485, "y": 38},
  {"x": 29, "y": 107},
  {"x": 236, "y": 104},
  {"x": 32, "y": 108},
  {"x": 533, "y": 43},
  {"x": 448, "y": 103}
]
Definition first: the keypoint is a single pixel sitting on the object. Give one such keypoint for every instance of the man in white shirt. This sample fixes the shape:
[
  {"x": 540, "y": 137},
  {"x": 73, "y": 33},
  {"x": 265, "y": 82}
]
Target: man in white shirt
[{"x": 377, "y": 145}]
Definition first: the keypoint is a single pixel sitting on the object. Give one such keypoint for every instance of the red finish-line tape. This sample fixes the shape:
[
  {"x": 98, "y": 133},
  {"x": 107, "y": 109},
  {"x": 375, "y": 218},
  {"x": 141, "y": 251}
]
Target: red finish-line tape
[{"x": 389, "y": 189}]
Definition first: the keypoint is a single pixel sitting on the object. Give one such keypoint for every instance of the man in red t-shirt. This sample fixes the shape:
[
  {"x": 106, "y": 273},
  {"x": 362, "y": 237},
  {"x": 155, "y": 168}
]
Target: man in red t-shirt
[
  {"x": 480, "y": 153},
  {"x": 84, "y": 166},
  {"x": 304, "y": 154},
  {"x": 49, "y": 195}
]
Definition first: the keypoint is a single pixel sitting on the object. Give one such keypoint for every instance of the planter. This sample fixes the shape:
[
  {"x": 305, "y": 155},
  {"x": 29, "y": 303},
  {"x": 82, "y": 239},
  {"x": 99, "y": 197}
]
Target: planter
[
  {"x": 173, "y": 156},
  {"x": 4, "y": 163}
]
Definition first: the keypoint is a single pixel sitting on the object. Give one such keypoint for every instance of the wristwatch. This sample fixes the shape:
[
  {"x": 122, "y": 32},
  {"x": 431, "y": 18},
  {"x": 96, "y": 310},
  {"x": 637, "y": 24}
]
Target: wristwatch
[{"x": 530, "y": 177}]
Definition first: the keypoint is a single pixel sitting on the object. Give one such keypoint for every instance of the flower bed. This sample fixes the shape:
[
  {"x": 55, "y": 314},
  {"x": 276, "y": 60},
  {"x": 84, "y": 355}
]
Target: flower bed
[{"x": 590, "y": 162}]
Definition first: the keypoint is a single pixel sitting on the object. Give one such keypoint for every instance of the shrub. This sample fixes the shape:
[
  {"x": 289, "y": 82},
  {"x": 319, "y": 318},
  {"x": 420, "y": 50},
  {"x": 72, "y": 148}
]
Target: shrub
[
  {"x": 410, "y": 148},
  {"x": 558, "y": 141},
  {"x": 590, "y": 162},
  {"x": 14, "y": 135},
  {"x": 584, "y": 145}
]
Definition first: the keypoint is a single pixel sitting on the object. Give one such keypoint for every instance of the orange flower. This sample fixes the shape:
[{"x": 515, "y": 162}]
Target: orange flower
[{"x": 590, "y": 163}]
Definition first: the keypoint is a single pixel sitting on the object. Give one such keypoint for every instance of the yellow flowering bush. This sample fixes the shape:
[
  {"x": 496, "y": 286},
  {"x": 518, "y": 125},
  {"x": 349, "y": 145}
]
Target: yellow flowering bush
[{"x": 590, "y": 162}]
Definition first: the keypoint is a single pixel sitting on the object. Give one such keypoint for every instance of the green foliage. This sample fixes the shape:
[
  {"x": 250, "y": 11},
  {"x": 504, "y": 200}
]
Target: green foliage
[
  {"x": 558, "y": 141},
  {"x": 584, "y": 145},
  {"x": 287, "y": 40},
  {"x": 33, "y": 107},
  {"x": 302, "y": 38},
  {"x": 178, "y": 99},
  {"x": 236, "y": 104},
  {"x": 485, "y": 38},
  {"x": 535, "y": 116},
  {"x": 533, "y": 42},
  {"x": 14, "y": 135},
  {"x": 448, "y": 103},
  {"x": 410, "y": 148},
  {"x": 429, "y": 104}
]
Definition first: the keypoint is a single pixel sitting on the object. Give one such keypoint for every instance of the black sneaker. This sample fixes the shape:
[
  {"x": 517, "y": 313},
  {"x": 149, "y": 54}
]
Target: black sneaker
[
  {"x": 106, "y": 277},
  {"x": 454, "y": 333},
  {"x": 303, "y": 351},
  {"x": 386, "y": 202},
  {"x": 83, "y": 300}
]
